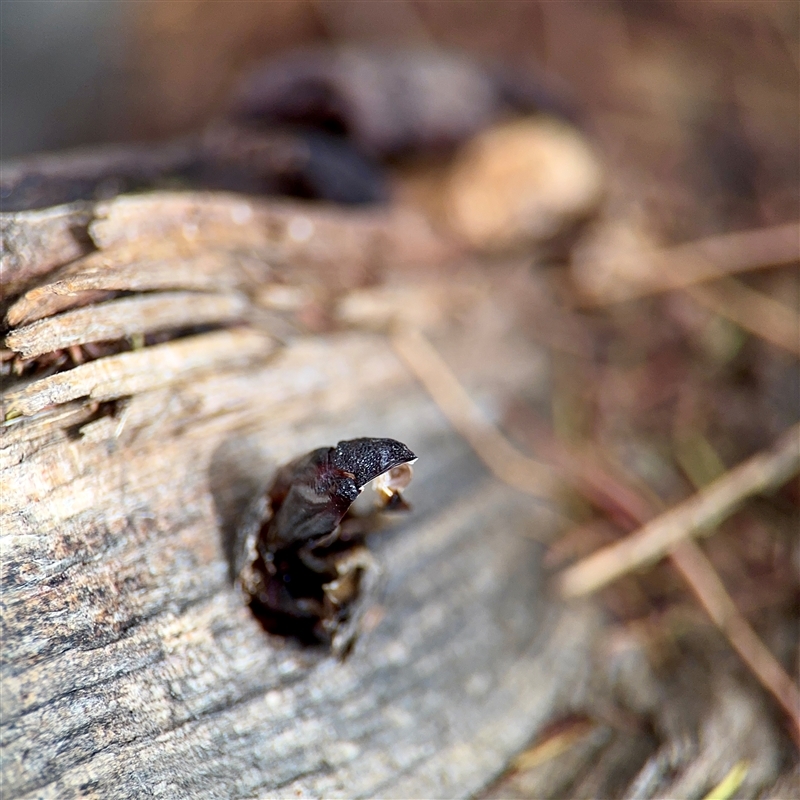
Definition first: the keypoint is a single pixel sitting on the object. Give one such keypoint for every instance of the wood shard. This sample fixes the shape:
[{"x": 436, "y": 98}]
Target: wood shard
[
  {"x": 214, "y": 242},
  {"x": 354, "y": 242},
  {"x": 128, "y": 373},
  {"x": 35, "y": 242},
  {"x": 125, "y": 317},
  {"x": 167, "y": 265}
]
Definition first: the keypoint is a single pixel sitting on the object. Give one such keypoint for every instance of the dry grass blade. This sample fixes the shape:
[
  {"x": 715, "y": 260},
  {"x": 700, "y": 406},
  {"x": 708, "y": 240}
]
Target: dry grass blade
[
  {"x": 496, "y": 452},
  {"x": 710, "y": 591},
  {"x": 730, "y": 784},
  {"x": 754, "y": 311},
  {"x": 704, "y": 260},
  {"x": 697, "y": 514},
  {"x": 697, "y": 571},
  {"x": 553, "y": 746}
]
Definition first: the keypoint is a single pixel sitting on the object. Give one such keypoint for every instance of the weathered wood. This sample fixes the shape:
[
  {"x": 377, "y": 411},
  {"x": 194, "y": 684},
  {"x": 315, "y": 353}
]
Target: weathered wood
[
  {"x": 34, "y": 242},
  {"x": 131, "y": 666},
  {"x": 143, "y": 268},
  {"x": 300, "y": 234},
  {"x": 127, "y": 317},
  {"x": 127, "y": 651},
  {"x": 90, "y": 173},
  {"x": 127, "y": 373}
]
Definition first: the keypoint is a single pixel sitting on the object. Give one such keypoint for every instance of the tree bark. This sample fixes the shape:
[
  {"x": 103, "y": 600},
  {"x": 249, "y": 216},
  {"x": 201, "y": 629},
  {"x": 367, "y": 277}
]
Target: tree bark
[{"x": 131, "y": 666}]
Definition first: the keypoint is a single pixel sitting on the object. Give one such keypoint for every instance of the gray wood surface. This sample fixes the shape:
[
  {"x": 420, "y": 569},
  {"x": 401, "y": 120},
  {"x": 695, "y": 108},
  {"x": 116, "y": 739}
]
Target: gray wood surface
[
  {"x": 132, "y": 668},
  {"x": 131, "y": 665}
]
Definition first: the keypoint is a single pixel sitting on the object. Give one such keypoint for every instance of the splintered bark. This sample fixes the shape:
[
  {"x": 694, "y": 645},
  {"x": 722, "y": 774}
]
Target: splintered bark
[{"x": 159, "y": 366}]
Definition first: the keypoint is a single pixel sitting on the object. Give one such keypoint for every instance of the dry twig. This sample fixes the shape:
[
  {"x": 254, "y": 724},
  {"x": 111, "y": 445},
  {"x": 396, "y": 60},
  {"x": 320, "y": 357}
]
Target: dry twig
[
  {"x": 754, "y": 311},
  {"x": 699, "y": 513},
  {"x": 707, "y": 259},
  {"x": 698, "y": 572},
  {"x": 707, "y": 586},
  {"x": 499, "y": 455},
  {"x": 720, "y": 498}
]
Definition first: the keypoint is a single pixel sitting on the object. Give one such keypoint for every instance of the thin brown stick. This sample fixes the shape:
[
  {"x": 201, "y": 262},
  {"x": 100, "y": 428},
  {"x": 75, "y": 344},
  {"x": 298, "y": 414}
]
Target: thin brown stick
[
  {"x": 696, "y": 515},
  {"x": 754, "y": 311},
  {"x": 705, "y": 509},
  {"x": 496, "y": 452},
  {"x": 707, "y": 259},
  {"x": 699, "y": 574},
  {"x": 707, "y": 586}
]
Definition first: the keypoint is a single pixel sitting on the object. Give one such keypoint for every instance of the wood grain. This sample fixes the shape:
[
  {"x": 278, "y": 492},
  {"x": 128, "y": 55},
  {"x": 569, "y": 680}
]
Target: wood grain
[
  {"x": 34, "y": 242},
  {"x": 123, "y": 318},
  {"x": 130, "y": 665},
  {"x": 128, "y": 652}
]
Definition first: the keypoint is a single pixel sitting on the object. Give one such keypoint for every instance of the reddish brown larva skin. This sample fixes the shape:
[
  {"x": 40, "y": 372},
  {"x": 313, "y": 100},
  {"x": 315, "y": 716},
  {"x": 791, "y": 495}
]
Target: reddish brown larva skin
[
  {"x": 311, "y": 495},
  {"x": 298, "y": 564}
]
